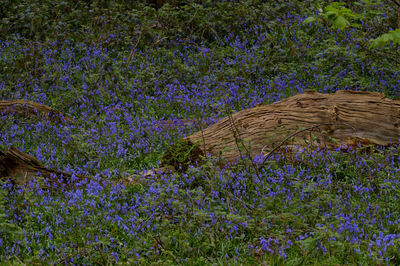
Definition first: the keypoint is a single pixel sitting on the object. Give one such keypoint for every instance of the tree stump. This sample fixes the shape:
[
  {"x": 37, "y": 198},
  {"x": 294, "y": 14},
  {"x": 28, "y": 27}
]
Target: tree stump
[{"x": 345, "y": 118}]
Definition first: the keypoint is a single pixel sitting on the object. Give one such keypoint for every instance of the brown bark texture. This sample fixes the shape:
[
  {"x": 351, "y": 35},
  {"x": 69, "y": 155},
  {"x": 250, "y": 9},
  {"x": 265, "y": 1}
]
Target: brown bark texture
[
  {"x": 31, "y": 110},
  {"x": 21, "y": 167},
  {"x": 342, "y": 119},
  {"x": 398, "y": 15}
]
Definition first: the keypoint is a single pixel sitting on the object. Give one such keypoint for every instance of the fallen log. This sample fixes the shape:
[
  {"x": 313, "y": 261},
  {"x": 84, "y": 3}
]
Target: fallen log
[
  {"x": 29, "y": 109},
  {"x": 21, "y": 167},
  {"x": 342, "y": 119}
]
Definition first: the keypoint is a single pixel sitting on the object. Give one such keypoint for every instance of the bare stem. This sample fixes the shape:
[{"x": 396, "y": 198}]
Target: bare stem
[{"x": 294, "y": 134}]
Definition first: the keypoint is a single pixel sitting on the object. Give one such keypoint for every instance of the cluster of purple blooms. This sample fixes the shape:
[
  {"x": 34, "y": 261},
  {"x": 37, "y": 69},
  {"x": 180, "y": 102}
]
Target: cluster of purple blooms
[{"x": 322, "y": 203}]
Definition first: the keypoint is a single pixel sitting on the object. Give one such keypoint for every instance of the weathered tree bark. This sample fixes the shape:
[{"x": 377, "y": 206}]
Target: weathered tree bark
[
  {"x": 397, "y": 8},
  {"x": 346, "y": 118},
  {"x": 398, "y": 14},
  {"x": 21, "y": 168},
  {"x": 29, "y": 109}
]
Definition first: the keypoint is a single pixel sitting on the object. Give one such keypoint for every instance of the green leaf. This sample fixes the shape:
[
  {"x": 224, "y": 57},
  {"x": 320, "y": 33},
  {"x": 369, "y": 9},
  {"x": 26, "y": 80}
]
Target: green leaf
[
  {"x": 387, "y": 37},
  {"x": 309, "y": 20},
  {"x": 396, "y": 36},
  {"x": 384, "y": 39},
  {"x": 331, "y": 15},
  {"x": 340, "y": 22},
  {"x": 380, "y": 41}
]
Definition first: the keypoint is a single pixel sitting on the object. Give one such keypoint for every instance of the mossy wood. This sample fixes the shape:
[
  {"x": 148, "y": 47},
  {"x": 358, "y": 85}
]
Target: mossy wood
[
  {"x": 21, "y": 168},
  {"x": 29, "y": 110},
  {"x": 345, "y": 118}
]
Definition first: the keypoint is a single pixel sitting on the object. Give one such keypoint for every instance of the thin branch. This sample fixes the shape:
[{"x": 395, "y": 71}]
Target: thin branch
[
  {"x": 235, "y": 132},
  {"x": 19, "y": 260},
  {"x": 397, "y": 3},
  {"x": 133, "y": 49},
  {"x": 238, "y": 199},
  {"x": 236, "y": 135},
  {"x": 159, "y": 243},
  {"x": 294, "y": 134}
]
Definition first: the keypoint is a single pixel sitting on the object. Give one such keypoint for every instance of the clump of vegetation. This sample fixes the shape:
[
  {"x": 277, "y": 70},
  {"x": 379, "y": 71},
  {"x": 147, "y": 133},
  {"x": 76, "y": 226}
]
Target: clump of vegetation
[
  {"x": 119, "y": 68},
  {"x": 182, "y": 154}
]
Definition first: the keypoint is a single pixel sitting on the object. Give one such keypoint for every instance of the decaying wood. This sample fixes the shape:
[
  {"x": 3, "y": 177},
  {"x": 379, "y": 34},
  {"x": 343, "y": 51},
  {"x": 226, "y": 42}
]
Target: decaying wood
[
  {"x": 345, "y": 118},
  {"x": 29, "y": 109},
  {"x": 397, "y": 6},
  {"x": 398, "y": 15},
  {"x": 21, "y": 167}
]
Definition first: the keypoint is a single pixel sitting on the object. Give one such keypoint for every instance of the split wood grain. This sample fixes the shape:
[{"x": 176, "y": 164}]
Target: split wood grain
[{"x": 348, "y": 118}]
